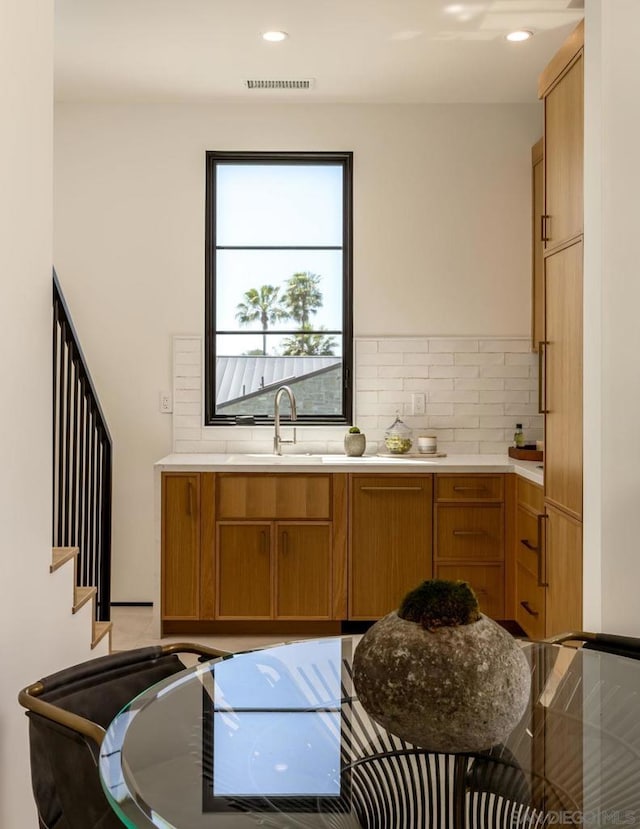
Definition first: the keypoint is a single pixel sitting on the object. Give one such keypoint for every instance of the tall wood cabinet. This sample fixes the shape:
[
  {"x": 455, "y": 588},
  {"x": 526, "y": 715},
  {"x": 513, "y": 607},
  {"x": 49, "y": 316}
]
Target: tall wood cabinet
[{"x": 561, "y": 88}]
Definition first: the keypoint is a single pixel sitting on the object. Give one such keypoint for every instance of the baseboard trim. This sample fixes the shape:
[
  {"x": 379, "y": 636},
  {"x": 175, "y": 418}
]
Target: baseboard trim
[{"x": 131, "y": 604}]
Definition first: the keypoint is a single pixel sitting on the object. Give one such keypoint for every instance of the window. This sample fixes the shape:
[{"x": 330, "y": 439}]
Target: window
[{"x": 278, "y": 285}]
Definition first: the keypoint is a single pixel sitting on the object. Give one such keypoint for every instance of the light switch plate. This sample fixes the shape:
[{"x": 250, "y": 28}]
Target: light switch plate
[
  {"x": 418, "y": 404},
  {"x": 166, "y": 403}
]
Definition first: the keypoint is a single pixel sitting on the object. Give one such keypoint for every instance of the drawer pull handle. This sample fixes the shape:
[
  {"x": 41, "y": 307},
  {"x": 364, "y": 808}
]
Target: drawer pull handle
[
  {"x": 391, "y": 489},
  {"x": 542, "y": 390},
  {"x": 529, "y": 609},
  {"x": 526, "y": 543},
  {"x": 544, "y": 228},
  {"x": 469, "y": 532},
  {"x": 542, "y": 554},
  {"x": 469, "y": 488}
]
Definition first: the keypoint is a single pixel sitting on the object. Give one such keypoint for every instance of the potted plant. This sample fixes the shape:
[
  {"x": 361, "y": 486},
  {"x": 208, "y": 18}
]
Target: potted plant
[
  {"x": 354, "y": 443},
  {"x": 441, "y": 675}
]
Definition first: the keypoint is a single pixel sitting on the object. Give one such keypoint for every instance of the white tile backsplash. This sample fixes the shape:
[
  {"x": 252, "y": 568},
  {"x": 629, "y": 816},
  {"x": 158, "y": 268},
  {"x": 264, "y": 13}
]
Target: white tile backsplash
[{"x": 476, "y": 390}]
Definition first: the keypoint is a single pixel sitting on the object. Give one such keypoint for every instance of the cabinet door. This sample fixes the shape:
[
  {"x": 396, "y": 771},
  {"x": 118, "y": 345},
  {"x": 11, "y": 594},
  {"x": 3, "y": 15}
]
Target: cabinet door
[
  {"x": 563, "y": 379},
  {"x": 563, "y": 566},
  {"x": 244, "y": 571},
  {"x": 563, "y": 156},
  {"x": 180, "y": 546},
  {"x": 303, "y": 571},
  {"x": 537, "y": 246},
  {"x": 390, "y": 541}
]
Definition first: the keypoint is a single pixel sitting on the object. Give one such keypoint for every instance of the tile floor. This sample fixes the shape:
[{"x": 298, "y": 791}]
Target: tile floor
[{"x": 132, "y": 628}]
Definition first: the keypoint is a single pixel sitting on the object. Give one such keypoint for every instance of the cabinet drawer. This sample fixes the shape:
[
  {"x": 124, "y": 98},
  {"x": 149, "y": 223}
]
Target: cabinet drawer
[
  {"x": 274, "y": 496},
  {"x": 530, "y": 495},
  {"x": 527, "y": 531},
  {"x": 530, "y": 604},
  {"x": 469, "y": 533},
  {"x": 469, "y": 488},
  {"x": 486, "y": 580}
]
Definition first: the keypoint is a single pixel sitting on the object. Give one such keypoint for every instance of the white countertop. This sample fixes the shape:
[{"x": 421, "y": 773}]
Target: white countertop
[{"x": 341, "y": 463}]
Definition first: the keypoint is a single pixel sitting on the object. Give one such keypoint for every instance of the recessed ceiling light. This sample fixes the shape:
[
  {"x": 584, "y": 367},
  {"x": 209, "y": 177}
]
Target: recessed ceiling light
[
  {"x": 274, "y": 37},
  {"x": 519, "y": 36}
]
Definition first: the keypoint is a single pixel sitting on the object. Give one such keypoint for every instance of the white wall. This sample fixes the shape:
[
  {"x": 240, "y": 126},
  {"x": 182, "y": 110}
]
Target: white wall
[
  {"x": 442, "y": 224},
  {"x": 612, "y": 298},
  {"x": 37, "y": 631}
]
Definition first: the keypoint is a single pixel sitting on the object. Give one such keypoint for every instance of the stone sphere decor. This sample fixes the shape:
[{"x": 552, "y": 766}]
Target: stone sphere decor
[{"x": 441, "y": 675}]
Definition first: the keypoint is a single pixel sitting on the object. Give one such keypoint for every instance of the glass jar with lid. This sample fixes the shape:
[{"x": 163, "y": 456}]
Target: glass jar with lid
[{"x": 398, "y": 438}]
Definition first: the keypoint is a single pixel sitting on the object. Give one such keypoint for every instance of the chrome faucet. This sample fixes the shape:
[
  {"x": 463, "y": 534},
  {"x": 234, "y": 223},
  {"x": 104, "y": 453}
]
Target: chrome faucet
[{"x": 277, "y": 441}]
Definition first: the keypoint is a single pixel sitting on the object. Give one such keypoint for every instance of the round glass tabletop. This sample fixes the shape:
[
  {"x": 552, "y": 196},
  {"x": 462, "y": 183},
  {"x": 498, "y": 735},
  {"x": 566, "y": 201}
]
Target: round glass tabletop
[{"x": 277, "y": 738}]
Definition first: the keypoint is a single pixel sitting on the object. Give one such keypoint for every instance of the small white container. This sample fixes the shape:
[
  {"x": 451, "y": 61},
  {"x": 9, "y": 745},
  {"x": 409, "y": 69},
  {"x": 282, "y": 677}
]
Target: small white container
[{"x": 427, "y": 444}]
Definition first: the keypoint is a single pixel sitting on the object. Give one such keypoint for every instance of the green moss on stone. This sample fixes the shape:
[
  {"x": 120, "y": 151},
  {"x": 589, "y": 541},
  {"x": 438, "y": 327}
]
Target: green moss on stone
[
  {"x": 354, "y": 430},
  {"x": 439, "y": 603}
]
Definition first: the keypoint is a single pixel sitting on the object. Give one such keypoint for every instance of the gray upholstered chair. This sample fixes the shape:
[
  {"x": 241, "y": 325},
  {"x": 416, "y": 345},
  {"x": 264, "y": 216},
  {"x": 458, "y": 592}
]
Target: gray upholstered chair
[{"x": 69, "y": 712}]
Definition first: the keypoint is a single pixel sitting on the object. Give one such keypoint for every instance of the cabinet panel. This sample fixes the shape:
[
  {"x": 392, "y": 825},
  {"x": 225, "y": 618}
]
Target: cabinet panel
[
  {"x": 303, "y": 571},
  {"x": 180, "y": 546},
  {"x": 563, "y": 156},
  {"x": 487, "y": 581},
  {"x": 390, "y": 541},
  {"x": 469, "y": 532},
  {"x": 563, "y": 384},
  {"x": 530, "y": 609},
  {"x": 244, "y": 571},
  {"x": 563, "y": 572},
  {"x": 469, "y": 488},
  {"x": 274, "y": 496}
]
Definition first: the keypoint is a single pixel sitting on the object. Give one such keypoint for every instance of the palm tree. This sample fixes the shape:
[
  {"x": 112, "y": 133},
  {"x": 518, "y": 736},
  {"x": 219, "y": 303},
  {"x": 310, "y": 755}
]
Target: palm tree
[
  {"x": 302, "y": 297},
  {"x": 261, "y": 304},
  {"x": 317, "y": 345}
]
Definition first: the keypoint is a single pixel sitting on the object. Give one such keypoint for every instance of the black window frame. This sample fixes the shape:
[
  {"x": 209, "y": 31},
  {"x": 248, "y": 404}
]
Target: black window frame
[{"x": 213, "y": 158}]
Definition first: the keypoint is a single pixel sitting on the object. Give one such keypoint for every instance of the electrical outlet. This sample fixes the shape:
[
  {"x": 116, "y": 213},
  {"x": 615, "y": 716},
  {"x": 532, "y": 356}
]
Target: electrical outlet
[
  {"x": 166, "y": 403},
  {"x": 418, "y": 405}
]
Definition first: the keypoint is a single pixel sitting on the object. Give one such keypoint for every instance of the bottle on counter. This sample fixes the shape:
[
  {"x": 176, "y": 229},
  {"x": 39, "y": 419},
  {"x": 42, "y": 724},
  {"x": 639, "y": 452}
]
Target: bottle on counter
[{"x": 518, "y": 436}]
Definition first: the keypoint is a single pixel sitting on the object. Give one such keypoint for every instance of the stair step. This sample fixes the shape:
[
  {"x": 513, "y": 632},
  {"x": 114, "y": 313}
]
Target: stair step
[
  {"x": 60, "y": 556},
  {"x": 81, "y": 596},
  {"x": 100, "y": 630}
]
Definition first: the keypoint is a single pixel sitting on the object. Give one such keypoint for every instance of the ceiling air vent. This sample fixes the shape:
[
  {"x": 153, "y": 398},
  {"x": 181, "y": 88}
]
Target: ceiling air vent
[{"x": 304, "y": 83}]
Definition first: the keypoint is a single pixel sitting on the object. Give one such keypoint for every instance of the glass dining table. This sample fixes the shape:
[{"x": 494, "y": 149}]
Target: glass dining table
[{"x": 277, "y": 738}]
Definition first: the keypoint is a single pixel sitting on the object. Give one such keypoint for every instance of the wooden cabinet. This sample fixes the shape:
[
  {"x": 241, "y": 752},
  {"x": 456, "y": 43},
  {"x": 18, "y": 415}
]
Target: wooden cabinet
[
  {"x": 180, "y": 546},
  {"x": 563, "y": 379},
  {"x": 469, "y": 533},
  {"x": 244, "y": 571},
  {"x": 548, "y": 565},
  {"x": 390, "y": 550},
  {"x": 261, "y": 547},
  {"x": 529, "y": 554},
  {"x": 274, "y": 571},
  {"x": 562, "y": 88},
  {"x": 303, "y": 571},
  {"x": 563, "y": 572},
  {"x": 537, "y": 246},
  {"x": 563, "y": 154},
  {"x": 281, "y": 569}
]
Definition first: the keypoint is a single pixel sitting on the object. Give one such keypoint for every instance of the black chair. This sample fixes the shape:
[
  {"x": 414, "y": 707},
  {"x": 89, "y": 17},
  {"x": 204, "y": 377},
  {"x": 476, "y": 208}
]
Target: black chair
[
  {"x": 605, "y": 642},
  {"x": 69, "y": 712}
]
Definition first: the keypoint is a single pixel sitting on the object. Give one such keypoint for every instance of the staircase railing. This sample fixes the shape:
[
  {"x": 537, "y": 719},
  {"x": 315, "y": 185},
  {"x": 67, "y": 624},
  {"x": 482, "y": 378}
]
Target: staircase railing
[{"x": 81, "y": 460}]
